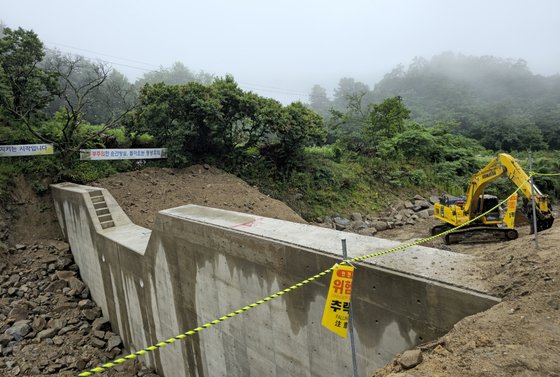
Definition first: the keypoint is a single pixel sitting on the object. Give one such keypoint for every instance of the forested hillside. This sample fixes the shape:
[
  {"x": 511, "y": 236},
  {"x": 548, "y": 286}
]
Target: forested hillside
[
  {"x": 424, "y": 129},
  {"x": 498, "y": 102}
]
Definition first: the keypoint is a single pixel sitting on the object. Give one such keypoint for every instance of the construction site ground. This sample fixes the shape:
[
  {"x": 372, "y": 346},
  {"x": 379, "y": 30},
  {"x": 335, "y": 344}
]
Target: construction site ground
[{"x": 518, "y": 337}]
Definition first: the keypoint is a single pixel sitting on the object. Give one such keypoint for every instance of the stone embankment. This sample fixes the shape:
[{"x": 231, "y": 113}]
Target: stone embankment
[{"x": 404, "y": 213}]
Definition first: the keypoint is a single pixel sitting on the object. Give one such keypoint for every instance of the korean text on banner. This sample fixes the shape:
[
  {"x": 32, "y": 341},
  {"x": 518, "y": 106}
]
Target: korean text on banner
[
  {"x": 123, "y": 154},
  {"x": 25, "y": 150},
  {"x": 337, "y": 307}
]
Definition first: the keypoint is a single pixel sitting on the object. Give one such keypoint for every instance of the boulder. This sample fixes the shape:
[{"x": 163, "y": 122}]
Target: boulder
[
  {"x": 356, "y": 216},
  {"x": 358, "y": 225},
  {"x": 113, "y": 342},
  {"x": 434, "y": 199},
  {"x": 408, "y": 204},
  {"x": 410, "y": 359},
  {"x": 422, "y": 204},
  {"x": 367, "y": 231},
  {"x": 380, "y": 225},
  {"x": 19, "y": 329},
  {"x": 341, "y": 223}
]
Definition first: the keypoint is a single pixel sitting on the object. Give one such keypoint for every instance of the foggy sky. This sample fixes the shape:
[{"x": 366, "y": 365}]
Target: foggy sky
[{"x": 280, "y": 49}]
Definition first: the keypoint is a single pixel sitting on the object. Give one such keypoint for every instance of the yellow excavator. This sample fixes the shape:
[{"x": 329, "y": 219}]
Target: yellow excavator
[{"x": 455, "y": 211}]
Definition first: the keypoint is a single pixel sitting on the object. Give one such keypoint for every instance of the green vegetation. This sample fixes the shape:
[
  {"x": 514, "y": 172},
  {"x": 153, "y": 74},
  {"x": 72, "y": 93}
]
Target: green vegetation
[{"x": 428, "y": 128}]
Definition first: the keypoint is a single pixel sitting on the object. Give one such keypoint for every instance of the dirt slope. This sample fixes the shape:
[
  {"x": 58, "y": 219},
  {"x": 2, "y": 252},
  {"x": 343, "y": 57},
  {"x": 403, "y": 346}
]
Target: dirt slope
[
  {"x": 518, "y": 337},
  {"x": 142, "y": 194}
]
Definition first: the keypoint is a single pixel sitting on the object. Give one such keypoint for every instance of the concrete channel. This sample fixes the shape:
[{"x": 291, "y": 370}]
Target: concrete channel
[{"x": 198, "y": 264}]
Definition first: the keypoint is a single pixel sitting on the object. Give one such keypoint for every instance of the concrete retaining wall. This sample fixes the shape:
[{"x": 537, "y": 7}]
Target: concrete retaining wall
[{"x": 198, "y": 264}]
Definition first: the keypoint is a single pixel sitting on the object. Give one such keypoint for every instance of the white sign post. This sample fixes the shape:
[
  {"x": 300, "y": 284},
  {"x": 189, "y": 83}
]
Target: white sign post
[{"x": 123, "y": 154}]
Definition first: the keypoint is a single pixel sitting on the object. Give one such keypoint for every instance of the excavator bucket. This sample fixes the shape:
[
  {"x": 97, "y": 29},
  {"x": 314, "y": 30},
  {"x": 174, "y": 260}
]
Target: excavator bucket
[{"x": 542, "y": 224}]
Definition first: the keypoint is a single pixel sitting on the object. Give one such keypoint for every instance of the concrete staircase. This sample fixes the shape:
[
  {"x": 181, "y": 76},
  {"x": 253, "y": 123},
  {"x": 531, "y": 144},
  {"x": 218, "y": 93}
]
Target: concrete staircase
[{"x": 101, "y": 209}]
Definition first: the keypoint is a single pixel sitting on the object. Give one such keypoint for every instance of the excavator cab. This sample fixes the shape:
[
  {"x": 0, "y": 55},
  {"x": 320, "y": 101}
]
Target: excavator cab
[{"x": 488, "y": 202}]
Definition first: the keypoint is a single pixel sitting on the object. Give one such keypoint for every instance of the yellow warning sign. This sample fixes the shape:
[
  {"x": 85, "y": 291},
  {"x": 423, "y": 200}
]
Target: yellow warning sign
[
  {"x": 337, "y": 307},
  {"x": 509, "y": 218}
]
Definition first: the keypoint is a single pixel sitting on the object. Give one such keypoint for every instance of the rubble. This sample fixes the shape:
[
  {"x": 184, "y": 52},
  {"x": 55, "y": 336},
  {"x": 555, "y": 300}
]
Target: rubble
[
  {"x": 48, "y": 323},
  {"x": 407, "y": 212}
]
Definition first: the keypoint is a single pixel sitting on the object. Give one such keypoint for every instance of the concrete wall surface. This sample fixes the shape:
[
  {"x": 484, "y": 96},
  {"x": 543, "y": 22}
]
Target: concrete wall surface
[{"x": 198, "y": 264}]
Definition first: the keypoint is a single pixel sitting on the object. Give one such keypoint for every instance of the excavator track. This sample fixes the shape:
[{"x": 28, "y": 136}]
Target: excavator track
[{"x": 481, "y": 234}]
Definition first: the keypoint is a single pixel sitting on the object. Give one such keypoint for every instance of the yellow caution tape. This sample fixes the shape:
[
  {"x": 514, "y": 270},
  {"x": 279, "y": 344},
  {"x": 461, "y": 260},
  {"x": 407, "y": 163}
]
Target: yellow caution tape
[
  {"x": 547, "y": 174},
  {"x": 182, "y": 336}
]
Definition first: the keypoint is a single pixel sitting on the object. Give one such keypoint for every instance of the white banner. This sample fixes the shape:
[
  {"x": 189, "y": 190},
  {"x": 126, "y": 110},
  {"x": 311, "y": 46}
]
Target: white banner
[
  {"x": 25, "y": 150},
  {"x": 123, "y": 154}
]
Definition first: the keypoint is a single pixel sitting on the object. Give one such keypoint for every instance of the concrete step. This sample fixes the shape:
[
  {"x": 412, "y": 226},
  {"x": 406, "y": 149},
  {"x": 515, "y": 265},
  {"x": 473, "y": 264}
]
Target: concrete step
[
  {"x": 98, "y": 199},
  {"x": 107, "y": 224},
  {"x": 104, "y": 218},
  {"x": 102, "y": 211},
  {"x": 99, "y": 205}
]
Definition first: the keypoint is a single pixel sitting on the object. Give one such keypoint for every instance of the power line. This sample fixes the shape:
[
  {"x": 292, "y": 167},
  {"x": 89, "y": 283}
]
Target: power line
[
  {"x": 103, "y": 54},
  {"x": 249, "y": 86}
]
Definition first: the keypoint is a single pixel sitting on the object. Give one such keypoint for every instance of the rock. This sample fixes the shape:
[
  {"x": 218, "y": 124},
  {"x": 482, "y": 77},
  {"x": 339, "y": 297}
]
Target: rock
[
  {"x": 56, "y": 285},
  {"x": 408, "y": 204},
  {"x": 91, "y": 314},
  {"x": 410, "y": 359},
  {"x": 398, "y": 217},
  {"x": 19, "y": 329},
  {"x": 86, "y": 304},
  {"x": 421, "y": 204},
  {"x": 367, "y": 231},
  {"x": 113, "y": 342},
  {"x": 98, "y": 334},
  {"x": 431, "y": 211},
  {"x": 418, "y": 197},
  {"x": 39, "y": 324},
  {"x": 76, "y": 285},
  {"x": 65, "y": 330},
  {"x": 5, "y": 339},
  {"x": 46, "y": 334},
  {"x": 18, "y": 313},
  {"x": 356, "y": 216},
  {"x": 96, "y": 342},
  {"x": 434, "y": 199},
  {"x": 406, "y": 213},
  {"x": 21, "y": 247},
  {"x": 423, "y": 214},
  {"x": 380, "y": 225},
  {"x": 358, "y": 225},
  {"x": 62, "y": 262},
  {"x": 57, "y": 323},
  {"x": 102, "y": 324},
  {"x": 65, "y": 275},
  {"x": 410, "y": 221},
  {"x": 341, "y": 223},
  {"x": 58, "y": 340}
]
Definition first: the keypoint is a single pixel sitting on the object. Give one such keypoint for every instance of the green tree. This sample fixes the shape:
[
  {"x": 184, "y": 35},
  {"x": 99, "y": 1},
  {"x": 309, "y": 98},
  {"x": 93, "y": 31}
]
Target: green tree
[
  {"x": 319, "y": 101},
  {"x": 80, "y": 85},
  {"x": 25, "y": 89},
  {"x": 177, "y": 74},
  {"x": 223, "y": 123}
]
